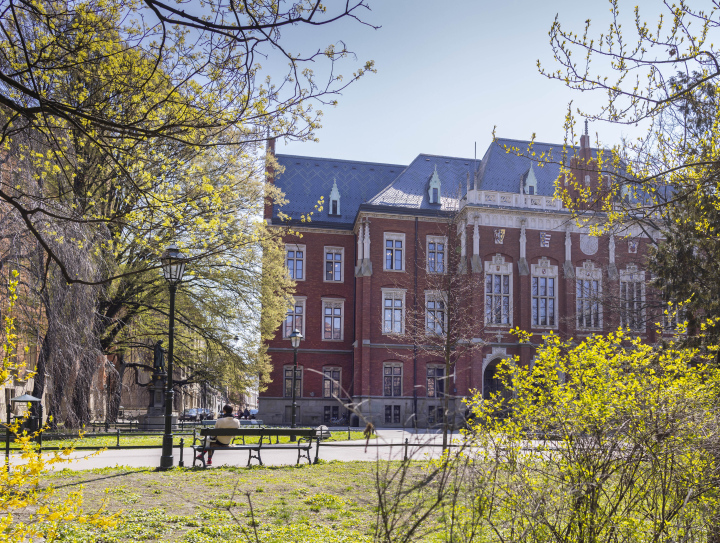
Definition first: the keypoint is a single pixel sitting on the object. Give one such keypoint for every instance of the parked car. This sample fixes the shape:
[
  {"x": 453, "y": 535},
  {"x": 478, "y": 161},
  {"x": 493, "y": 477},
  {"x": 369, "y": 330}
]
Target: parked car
[
  {"x": 190, "y": 414},
  {"x": 206, "y": 414}
]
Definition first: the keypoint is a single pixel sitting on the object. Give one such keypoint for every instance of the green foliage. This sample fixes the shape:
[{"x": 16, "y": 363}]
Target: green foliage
[{"x": 607, "y": 440}]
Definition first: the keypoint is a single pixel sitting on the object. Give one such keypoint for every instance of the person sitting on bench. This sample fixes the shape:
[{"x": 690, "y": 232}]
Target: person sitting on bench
[{"x": 225, "y": 421}]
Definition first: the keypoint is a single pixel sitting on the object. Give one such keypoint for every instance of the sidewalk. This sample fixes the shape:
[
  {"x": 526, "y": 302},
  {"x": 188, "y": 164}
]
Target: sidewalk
[{"x": 345, "y": 451}]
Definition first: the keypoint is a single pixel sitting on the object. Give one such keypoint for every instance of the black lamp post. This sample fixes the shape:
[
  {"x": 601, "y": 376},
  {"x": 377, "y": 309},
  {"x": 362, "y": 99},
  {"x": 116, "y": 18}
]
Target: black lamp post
[
  {"x": 295, "y": 338},
  {"x": 173, "y": 265}
]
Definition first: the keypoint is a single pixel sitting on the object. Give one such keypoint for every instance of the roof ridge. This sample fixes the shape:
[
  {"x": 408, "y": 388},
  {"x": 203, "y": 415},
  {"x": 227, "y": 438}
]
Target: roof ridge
[
  {"x": 340, "y": 160},
  {"x": 560, "y": 145}
]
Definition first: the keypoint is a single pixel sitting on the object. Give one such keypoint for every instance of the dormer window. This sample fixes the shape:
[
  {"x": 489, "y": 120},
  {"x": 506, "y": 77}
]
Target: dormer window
[
  {"x": 529, "y": 185},
  {"x": 334, "y": 200},
  {"x": 434, "y": 188}
]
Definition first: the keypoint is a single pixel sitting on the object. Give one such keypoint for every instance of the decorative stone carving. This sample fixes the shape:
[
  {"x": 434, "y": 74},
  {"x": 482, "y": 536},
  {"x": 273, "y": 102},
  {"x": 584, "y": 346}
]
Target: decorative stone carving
[
  {"x": 588, "y": 244},
  {"x": 499, "y": 236},
  {"x": 544, "y": 239},
  {"x": 544, "y": 268},
  {"x": 632, "y": 246}
]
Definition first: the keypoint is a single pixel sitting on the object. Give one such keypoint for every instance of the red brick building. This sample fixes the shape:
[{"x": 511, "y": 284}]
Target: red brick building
[{"x": 364, "y": 263}]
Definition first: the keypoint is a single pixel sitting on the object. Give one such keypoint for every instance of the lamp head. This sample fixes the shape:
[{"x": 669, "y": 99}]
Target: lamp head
[
  {"x": 295, "y": 338},
  {"x": 173, "y": 264}
]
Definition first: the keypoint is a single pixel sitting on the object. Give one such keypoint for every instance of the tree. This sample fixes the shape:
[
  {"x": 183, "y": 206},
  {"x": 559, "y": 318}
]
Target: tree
[
  {"x": 135, "y": 92},
  {"x": 441, "y": 323}
]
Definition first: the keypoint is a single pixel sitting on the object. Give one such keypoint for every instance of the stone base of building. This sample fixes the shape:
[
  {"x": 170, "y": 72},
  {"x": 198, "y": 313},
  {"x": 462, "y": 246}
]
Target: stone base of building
[
  {"x": 156, "y": 422},
  {"x": 382, "y": 411},
  {"x": 399, "y": 412},
  {"x": 309, "y": 412}
]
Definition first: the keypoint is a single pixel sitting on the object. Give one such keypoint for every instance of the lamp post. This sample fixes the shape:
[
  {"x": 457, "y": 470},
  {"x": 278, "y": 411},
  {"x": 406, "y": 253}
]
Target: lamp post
[
  {"x": 295, "y": 338},
  {"x": 173, "y": 265}
]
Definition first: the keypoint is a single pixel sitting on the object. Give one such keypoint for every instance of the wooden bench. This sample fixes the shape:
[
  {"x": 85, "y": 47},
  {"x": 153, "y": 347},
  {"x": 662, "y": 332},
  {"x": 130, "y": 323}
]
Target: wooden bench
[{"x": 303, "y": 444}]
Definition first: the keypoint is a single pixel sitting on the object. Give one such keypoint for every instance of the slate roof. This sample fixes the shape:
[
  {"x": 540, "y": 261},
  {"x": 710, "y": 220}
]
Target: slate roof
[
  {"x": 505, "y": 172},
  {"x": 410, "y": 188},
  {"x": 306, "y": 179},
  {"x": 388, "y": 186}
]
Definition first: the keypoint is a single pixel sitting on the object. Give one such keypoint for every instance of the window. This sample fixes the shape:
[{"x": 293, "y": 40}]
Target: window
[
  {"x": 543, "y": 301},
  {"x": 295, "y": 261},
  {"x": 333, "y": 264},
  {"x": 392, "y": 380},
  {"x": 435, "y": 381},
  {"x": 588, "y": 303},
  {"x": 334, "y": 208},
  {"x": 435, "y": 414},
  {"x": 331, "y": 382},
  {"x": 631, "y": 300},
  {"x": 394, "y": 244},
  {"x": 632, "y": 296},
  {"x": 392, "y": 414},
  {"x": 435, "y": 315},
  {"x": 331, "y": 413},
  {"x": 333, "y": 319},
  {"x": 531, "y": 190},
  {"x": 295, "y": 318},
  {"x": 497, "y": 298},
  {"x": 588, "y": 290},
  {"x": 543, "y": 293},
  {"x": 393, "y": 311},
  {"x": 435, "y": 255},
  {"x": 287, "y": 389}
]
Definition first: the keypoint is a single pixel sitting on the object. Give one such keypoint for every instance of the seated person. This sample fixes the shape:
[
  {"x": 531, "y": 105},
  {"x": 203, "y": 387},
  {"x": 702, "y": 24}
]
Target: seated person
[{"x": 225, "y": 421}]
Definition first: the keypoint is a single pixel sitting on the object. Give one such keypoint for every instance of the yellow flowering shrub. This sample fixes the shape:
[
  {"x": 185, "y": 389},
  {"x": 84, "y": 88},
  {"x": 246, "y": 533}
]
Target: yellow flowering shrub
[
  {"x": 608, "y": 439},
  {"x": 28, "y": 511}
]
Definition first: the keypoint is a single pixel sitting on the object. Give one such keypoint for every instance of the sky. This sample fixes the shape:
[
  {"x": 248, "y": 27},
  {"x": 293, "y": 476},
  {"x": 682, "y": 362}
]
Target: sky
[{"x": 448, "y": 73}]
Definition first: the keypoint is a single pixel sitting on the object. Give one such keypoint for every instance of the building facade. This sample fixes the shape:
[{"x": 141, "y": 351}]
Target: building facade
[{"x": 364, "y": 264}]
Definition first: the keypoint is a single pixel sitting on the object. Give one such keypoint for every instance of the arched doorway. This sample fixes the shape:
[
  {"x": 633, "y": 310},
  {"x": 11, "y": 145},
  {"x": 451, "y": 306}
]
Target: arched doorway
[{"x": 492, "y": 382}]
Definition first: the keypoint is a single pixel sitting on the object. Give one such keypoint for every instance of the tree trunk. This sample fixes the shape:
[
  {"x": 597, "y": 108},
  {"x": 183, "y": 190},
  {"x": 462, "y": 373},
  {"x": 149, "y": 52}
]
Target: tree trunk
[
  {"x": 114, "y": 388},
  {"x": 446, "y": 388},
  {"x": 40, "y": 369},
  {"x": 79, "y": 412}
]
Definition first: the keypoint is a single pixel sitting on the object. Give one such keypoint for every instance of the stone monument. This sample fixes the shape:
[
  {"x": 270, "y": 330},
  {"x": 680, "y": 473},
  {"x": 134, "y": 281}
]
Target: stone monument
[{"x": 154, "y": 419}]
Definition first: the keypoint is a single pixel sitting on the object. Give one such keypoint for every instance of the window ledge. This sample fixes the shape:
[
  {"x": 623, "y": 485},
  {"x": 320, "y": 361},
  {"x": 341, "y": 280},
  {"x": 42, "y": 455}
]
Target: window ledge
[{"x": 394, "y": 271}]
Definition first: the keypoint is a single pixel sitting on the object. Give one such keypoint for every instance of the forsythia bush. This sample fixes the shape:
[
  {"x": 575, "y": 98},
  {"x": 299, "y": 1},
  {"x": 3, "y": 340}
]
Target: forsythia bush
[
  {"x": 27, "y": 511},
  {"x": 607, "y": 440}
]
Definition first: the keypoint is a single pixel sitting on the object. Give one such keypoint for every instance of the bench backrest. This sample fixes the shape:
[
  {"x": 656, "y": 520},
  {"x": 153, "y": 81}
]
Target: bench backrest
[{"x": 254, "y": 432}]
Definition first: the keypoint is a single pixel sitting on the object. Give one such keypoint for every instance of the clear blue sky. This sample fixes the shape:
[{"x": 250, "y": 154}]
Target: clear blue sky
[{"x": 450, "y": 71}]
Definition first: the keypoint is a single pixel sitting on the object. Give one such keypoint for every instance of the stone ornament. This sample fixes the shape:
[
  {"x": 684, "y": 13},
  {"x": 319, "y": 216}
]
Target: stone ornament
[
  {"x": 544, "y": 239},
  {"x": 499, "y": 236},
  {"x": 632, "y": 246},
  {"x": 588, "y": 244}
]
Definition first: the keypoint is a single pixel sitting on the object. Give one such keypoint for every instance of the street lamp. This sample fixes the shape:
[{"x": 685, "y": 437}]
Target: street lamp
[
  {"x": 173, "y": 265},
  {"x": 295, "y": 338}
]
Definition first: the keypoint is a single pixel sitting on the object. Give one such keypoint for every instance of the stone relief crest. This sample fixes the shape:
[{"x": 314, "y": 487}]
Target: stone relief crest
[
  {"x": 499, "y": 235},
  {"x": 588, "y": 244},
  {"x": 544, "y": 239},
  {"x": 632, "y": 246}
]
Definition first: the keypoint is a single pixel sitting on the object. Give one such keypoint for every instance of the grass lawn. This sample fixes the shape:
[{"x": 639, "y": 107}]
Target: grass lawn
[
  {"x": 331, "y": 502},
  {"x": 129, "y": 440}
]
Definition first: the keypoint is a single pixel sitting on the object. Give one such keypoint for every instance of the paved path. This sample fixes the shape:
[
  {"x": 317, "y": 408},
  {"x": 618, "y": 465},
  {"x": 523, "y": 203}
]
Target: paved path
[{"x": 391, "y": 439}]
